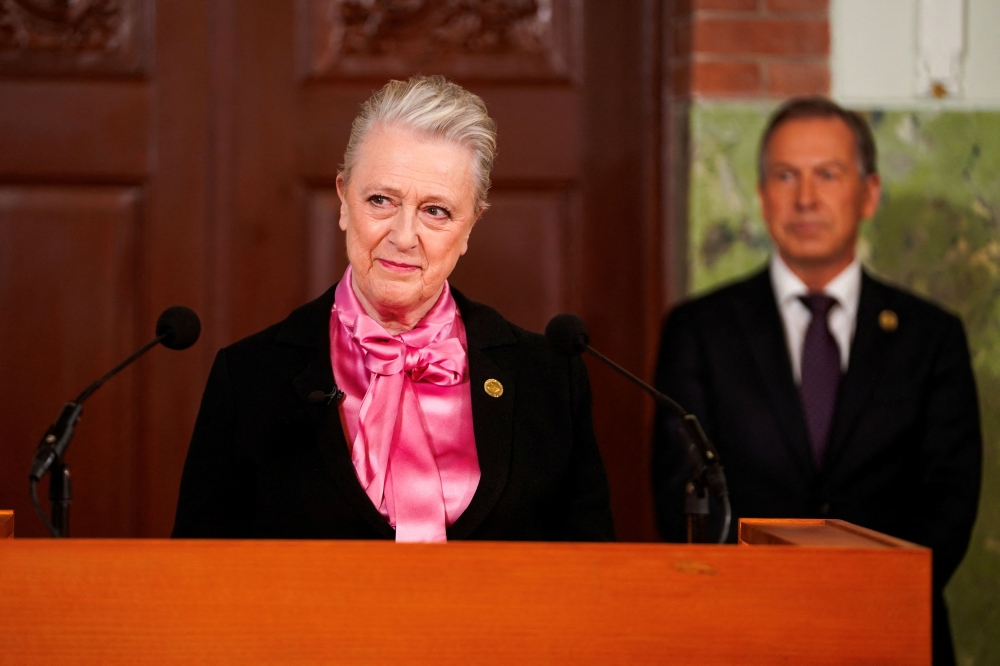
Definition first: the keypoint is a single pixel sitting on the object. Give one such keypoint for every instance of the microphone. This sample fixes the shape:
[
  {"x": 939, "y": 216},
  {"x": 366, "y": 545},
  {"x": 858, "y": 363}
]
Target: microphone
[
  {"x": 317, "y": 397},
  {"x": 177, "y": 328},
  {"x": 566, "y": 334}
]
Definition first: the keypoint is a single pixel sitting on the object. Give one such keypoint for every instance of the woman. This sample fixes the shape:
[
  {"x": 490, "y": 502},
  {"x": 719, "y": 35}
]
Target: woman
[{"x": 392, "y": 406}]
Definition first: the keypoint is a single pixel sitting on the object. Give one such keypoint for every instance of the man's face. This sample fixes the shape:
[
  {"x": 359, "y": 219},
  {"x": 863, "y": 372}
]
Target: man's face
[{"x": 813, "y": 196}]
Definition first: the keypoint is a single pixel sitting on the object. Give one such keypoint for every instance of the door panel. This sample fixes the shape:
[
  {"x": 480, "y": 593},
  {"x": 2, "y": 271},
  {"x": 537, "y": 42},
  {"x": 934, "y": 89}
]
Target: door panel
[
  {"x": 518, "y": 261},
  {"x": 74, "y": 130},
  {"x": 68, "y": 290}
]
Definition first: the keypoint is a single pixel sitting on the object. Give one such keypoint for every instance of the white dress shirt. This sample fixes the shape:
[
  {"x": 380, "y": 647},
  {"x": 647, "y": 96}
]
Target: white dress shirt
[{"x": 842, "y": 319}]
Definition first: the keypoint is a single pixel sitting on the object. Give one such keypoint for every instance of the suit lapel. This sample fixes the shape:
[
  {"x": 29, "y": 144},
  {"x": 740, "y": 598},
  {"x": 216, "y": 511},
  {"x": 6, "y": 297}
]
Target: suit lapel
[
  {"x": 758, "y": 315},
  {"x": 309, "y": 327},
  {"x": 867, "y": 364},
  {"x": 490, "y": 342}
]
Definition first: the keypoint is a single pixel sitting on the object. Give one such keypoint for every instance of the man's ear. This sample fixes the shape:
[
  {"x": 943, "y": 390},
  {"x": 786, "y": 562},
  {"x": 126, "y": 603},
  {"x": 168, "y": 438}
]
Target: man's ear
[
  {"x": 343, "y": 201},
  {"x": 872, "y": 196},
  {"x": 761, "y": 200}
]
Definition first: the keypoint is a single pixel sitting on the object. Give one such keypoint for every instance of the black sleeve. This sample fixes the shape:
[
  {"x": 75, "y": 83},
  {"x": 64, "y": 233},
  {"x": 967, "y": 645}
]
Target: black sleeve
[
  {"x": 951, "y": 457},
  {"x": 679, "y": 376},
  {"x": 589, "y": 516},
  {"x": 216, "y": 487}
]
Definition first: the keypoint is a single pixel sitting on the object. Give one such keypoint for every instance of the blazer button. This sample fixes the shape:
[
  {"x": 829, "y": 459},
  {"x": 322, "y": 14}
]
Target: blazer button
[{"x": 824, "y": 508}]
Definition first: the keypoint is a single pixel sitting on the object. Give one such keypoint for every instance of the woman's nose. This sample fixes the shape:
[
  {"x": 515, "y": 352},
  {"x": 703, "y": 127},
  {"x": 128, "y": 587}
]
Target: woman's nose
[{"x": 403, "y": 233}]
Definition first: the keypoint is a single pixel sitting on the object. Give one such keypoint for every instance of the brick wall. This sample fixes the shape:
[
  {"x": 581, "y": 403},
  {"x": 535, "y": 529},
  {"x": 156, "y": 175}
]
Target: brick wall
[{"x": 750, "y": 48}]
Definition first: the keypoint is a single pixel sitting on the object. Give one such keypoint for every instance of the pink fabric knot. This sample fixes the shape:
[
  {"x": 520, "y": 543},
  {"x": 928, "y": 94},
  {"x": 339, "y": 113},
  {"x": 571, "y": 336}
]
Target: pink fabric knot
[
  {"x": 442, "y": 362},
  {"x": 393, "y": 431}
]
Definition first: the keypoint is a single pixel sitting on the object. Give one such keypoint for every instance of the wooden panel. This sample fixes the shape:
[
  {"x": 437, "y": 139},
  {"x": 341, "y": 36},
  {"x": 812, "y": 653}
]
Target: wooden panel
[
  {"x": 518, "y": 259},
  {"x": 539, "y": 132},
  {"x": 621, "y": 223},
  {"x": 103, "y": 37},
  {"x": 213, "y": 602},
  {"x": 74, "y": 131},
  {"x": 503, "y": 39},
  {"x": 264, "y": 242},
  {"x": 325, "y": 246},
  {"x": 6, "y": 524},
  {"x": 68, "y": 290},
  {"x": 178, "y": 226},
  {"x": 814, "y": 533}
]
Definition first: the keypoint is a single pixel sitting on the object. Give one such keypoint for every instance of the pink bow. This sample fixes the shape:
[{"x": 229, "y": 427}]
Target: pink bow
[{"x": 393, "y": 433}]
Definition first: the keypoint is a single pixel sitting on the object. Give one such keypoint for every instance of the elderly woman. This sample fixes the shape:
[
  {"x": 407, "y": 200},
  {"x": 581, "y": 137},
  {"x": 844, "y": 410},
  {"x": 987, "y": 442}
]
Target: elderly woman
[{"x": 392, "y": 406}]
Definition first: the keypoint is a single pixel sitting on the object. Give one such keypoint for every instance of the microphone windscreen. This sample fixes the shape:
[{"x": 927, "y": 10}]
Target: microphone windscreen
[
  {"x": 567, "y": 335},
  {"x": 181, "y": 326}
]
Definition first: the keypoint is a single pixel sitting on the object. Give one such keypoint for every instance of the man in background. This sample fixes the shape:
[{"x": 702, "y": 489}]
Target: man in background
[{"x": 828, "y": 393}]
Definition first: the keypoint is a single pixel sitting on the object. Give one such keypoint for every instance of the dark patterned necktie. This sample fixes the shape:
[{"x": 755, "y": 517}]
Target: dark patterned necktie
[{"x": 820, "y": 374}]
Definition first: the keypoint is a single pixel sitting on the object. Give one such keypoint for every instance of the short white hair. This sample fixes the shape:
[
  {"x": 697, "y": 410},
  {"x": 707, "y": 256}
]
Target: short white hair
[{"x": 434, "y": 106}]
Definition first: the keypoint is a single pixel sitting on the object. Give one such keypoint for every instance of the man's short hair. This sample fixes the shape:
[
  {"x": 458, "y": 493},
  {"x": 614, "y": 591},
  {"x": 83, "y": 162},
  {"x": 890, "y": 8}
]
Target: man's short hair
[{"x": 805, "y": 108}]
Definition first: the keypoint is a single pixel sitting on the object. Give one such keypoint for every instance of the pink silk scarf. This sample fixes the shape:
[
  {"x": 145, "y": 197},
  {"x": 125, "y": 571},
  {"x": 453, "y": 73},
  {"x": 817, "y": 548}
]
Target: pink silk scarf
[{"x": 407, "y": 413}]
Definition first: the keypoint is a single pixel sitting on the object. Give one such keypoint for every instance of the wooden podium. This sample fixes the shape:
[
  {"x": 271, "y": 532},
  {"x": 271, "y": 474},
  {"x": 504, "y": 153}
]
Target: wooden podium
[{"x": 793, "y": 592}]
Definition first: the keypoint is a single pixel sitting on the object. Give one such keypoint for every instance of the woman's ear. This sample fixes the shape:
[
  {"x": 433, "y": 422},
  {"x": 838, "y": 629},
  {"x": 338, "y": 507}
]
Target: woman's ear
[
  {"x": 343, "y": 201},
  {"x": 468, "y": 232}
]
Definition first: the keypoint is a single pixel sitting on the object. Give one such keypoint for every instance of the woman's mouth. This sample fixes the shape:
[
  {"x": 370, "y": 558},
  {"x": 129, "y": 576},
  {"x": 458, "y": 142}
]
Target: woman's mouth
[{"x": 397, "y": 267}]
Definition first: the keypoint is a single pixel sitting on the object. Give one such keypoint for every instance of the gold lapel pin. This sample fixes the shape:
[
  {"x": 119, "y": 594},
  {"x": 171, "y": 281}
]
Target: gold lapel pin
[
  {"x": 888, "y": 320},
  {"x": 493, "y": 387}
]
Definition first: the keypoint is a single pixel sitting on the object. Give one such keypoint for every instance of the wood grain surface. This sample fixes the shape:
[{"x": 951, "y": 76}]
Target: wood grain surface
[
  {"x": 166, "y": 602},
  {"x": 819, "y": 532}
]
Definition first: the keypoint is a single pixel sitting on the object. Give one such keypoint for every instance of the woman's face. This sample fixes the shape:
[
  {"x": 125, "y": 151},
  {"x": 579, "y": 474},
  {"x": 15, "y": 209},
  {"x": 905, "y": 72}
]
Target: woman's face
[{"x": 408, "y": 209}]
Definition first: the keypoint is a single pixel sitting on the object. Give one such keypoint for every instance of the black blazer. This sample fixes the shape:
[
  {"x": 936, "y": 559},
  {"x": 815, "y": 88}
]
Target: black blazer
[
  {"x": 905, "y": 451},
  {"x": 265, "y": 462}
]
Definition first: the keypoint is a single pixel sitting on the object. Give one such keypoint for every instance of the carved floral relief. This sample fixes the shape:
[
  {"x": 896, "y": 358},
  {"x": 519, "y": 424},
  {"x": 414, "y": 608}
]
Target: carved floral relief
[
  {"x": 491, "y": 39},
  {"x": 57, "y": 36}
]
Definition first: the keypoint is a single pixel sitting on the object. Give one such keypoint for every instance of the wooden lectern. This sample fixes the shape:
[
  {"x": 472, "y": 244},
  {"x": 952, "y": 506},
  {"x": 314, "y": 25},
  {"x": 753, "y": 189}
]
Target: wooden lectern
[
  {"x": 6, "y": 524},
  {"x": 794, "y": 592}
]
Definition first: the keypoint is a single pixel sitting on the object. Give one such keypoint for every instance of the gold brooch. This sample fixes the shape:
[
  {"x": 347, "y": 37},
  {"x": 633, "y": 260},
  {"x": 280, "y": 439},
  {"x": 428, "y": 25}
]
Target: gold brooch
[
  {"x": 888, "y": 320},
  {"x": 493, "y": 387}
]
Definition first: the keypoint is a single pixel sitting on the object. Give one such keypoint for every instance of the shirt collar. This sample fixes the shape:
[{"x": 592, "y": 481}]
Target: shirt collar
[{"x": 845, "y": 287}]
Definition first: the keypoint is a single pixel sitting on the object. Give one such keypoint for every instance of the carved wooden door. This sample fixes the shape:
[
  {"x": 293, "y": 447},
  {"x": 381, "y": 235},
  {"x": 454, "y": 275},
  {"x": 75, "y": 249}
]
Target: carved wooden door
[
  {"x": 186, "y": 152},
  {"x": 104, "y": 165}
]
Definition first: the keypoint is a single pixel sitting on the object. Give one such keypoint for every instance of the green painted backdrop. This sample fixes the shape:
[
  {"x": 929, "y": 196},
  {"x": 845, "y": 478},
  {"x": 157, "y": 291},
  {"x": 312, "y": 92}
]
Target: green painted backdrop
[{"x": 937, "y": 231}]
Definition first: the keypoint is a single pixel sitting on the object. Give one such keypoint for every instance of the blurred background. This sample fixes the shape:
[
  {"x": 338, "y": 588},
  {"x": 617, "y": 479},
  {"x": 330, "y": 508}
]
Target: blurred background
[{"x": 185, "y": 152}]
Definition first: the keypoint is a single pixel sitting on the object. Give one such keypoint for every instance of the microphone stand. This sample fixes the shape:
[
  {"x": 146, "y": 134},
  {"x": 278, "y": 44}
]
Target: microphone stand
[
  {"x": 49, "y": 455},
  {"x": 60, "y": 495},
  {"x": 704, "y": 458}
]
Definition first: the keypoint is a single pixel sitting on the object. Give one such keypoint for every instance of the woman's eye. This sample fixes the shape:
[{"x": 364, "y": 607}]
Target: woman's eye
[
  {"x": 378, "y": 199},
  {"x": 437, "y": 211}
]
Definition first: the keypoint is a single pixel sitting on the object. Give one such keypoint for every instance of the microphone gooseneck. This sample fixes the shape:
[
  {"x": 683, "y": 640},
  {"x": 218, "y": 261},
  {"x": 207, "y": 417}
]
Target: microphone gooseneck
[
  {"x": 177, "y": 328},
  {"x": 566, "y": 334}
]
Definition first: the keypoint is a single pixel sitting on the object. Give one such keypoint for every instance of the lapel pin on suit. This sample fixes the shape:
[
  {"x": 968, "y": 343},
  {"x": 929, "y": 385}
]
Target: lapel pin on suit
[
  {"x": 493, "y": 387},
  {"x": 888, "y": 321}
]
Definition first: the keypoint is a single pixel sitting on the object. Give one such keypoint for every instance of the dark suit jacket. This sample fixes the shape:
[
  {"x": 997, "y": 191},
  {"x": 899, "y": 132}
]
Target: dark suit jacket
[
  {"x": 905, "y": 451},
  {"x": 264, "y": 462}
]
